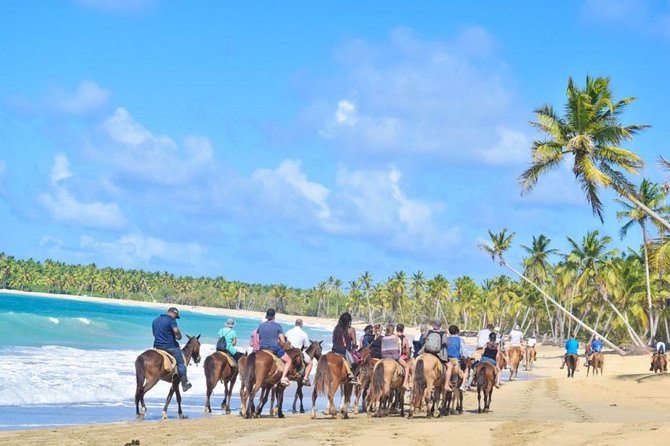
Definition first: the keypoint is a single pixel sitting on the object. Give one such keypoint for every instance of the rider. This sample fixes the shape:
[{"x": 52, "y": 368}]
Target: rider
[
  {"x": 436, "y": 341},
  {"x": 404, "y": 352},
  {"x": 367, "y": 337},
  {"x": 571, "y": 348},
  {"x": 530, "y": 343},
  {"x": 419, "y": 340},
  {"x": 228, "y": 332},
  {"x": 660, "y": 350},
  {"x": 490, "y": 355},
  {"x": 376, "y": 344},
  {"x": 483, "y": 339},
  {"x": 515, "y": 339},
  {"x": 270, "y": 334},
  {"x": 454, "y": 356},
  {"x": 596, "y": 346},
  {"x": 299, "y": 339},
  {"x": 344, "y": 338},
  {"x": 166, "y": 335}
]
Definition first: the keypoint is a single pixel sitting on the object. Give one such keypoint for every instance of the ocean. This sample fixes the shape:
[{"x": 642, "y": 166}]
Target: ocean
[{"x": 67, "y": 362}]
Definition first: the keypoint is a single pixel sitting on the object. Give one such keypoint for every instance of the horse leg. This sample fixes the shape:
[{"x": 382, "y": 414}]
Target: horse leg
[
  {"x": 479, "y": 399},
  {"x": 280, "y": 401},
  {"x": 178, "y": 394},
  {"x": 273, "y": 394},
  {"x": 262, "y": 400},
  {"x": 169, "y": 398},
  {"x": 331, "y": 401},
  {"x": 314, "y": 395}
]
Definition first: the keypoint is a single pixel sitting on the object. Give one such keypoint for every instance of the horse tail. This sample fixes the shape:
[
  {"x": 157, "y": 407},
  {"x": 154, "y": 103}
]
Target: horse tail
[
  {"x": 249, "y": 378},
  {"x": 377, "y": 385},
  {"x": 139, "y": 376},
  {"x": 208, "y": 367},
  {"x": 419, "y": 387},
  {"x": 481, "y": 376},
  {"x": 323, "y": 378}
]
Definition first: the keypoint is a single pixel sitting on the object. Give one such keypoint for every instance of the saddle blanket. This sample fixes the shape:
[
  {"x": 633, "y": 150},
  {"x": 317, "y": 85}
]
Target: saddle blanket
[{"x": 169, "y": 363}]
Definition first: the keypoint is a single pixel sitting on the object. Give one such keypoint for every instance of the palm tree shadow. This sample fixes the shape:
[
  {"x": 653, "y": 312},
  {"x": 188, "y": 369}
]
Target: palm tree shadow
[{"x": 643, "y": 377}]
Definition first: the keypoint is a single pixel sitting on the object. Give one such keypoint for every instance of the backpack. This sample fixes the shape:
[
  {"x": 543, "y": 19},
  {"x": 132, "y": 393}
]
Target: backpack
[
  {"x": 433, "y": 342},
  {"x": 390, "y": 347},
  {"x": 222, "y": 344}
]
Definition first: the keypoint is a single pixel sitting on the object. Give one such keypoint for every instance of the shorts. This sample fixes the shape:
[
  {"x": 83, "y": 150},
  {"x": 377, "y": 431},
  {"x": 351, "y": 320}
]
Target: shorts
[
  {"x": 276, "y": 350},
  {"x": 455, "y": 361}
]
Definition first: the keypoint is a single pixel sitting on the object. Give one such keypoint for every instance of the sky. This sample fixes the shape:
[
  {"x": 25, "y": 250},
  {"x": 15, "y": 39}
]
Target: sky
[{"x": 284, "y": 142}]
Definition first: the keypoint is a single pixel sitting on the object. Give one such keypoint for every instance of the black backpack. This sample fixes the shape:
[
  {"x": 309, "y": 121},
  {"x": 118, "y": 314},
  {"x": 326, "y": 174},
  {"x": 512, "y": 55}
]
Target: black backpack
[{"x": 222, "y": 345}]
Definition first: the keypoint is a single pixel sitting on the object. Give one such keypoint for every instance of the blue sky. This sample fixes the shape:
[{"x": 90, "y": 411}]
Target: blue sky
[{"x": 272, "y": 142}]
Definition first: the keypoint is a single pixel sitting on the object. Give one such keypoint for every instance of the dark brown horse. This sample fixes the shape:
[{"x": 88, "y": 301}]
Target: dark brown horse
[
  {"x": 531, "y": 356},
  {"x": 428, "y": 387},
  {"x": 515, "y": 357},
  {"x": 314, "y": 352},
  {"x": 595, "y": 362},
  {"x": 485, "y": 377},
  {"x": 262, "y": 372},
  {"x": 218, "y": 368},
  {"x": 571, "y": 362},
  {"x": 386, "y": 388},
  {"x": 364, "y": 377},
  {"x": 332, "y": 374},
  {"x": 456, "y": 396},
  {"x": 149, "y": 369},
  {"x": 659, "y": 363}
]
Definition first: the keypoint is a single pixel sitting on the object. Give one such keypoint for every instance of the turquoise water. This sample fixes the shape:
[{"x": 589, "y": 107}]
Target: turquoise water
[{"x": 67, "y": 362}]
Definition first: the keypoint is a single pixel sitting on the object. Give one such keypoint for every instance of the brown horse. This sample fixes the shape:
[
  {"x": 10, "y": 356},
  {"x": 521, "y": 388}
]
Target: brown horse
[
  {"x": 217, "y": 368},
  {"x": 485, "y": 377},
  {"x": 571, "y": 362},
  {"x": 659, "y": 363},
  {"x": 515, "y": 357},
  {"x": 429, "y": 375},
  {"x": 331, "y": 374},
  {"x": 386, "y": 388},
  {"x": 314, "y": 352},
  {"x": 596, "y": 361},
  {"x": 501, "y": 360},
  {"x": 456, "y": 396},
  {"x": 531, "y": 356},
  {"x": 262, "y": 372},
  {"x": 149, "y": 369},
  {"x": 364, "y": 377}
]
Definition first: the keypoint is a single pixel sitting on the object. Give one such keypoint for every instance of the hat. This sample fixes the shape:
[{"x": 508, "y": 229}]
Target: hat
[
  {"x": 174, "y": 310},
  {"x": 270, "y": 313},
  {"x": 230, "y": 322}
]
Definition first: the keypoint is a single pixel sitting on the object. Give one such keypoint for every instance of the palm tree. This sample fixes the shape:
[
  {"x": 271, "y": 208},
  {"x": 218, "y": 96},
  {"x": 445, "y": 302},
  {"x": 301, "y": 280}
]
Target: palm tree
[
  {"x": 536, "y": 267},
  {"x": 365, "y": 281},
  {"x": 653, "y": 196},
  {"x": 497, "y": 247},
  {"x": 590, "y": 135}
]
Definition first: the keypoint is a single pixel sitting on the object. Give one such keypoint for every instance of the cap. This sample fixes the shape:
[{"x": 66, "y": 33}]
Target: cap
[
  {"x": 270, "y": 313},
  {"x": 174, "y": 310},
  {"x": 230, "y": 322}
]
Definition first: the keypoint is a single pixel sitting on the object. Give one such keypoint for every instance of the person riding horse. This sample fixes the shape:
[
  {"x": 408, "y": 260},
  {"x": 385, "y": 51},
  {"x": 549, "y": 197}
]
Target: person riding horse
[
  {"x": 344, "y": 339},
  {"x": 166, "y": 334},
  {"x": 270, "y": 334},
  {"x": 571, "y": 348},
  {"x": 455, "y": 354},
  {"x": 228, "y": 333},
  {"x": 596, "y": 346},
  {"x": 660, "y": 350},
  {"x": 299, "y": 339},
  {"x": 489, "y": 355}
]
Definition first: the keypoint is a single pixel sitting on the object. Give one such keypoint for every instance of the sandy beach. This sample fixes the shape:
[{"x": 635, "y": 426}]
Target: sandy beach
[{"x": 627, "y": 404}]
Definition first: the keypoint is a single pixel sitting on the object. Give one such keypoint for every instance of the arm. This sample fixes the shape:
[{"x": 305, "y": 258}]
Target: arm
[
  {"x": 175, "y": 330},
  {"x": 234, "y": 342},
  {"x": 352, "y": 335}
]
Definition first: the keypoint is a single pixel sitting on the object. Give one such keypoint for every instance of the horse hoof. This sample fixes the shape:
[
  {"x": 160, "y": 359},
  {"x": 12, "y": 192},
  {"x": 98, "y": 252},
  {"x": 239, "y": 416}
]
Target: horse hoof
[
  {"x": 182, "y": 416},
  {"x": 227, "y": 411},
  {"x": 140, "y": 417},
  {"x": 302, "y": 410},
  {"x": 313, "y": 414},
  {"x": 281, "y": 415},
  {"x": 164, "y": 416}
]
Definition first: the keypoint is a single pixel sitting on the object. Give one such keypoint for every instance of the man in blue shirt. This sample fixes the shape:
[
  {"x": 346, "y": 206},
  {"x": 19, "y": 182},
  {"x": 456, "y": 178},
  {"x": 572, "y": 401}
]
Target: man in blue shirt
[
  {"x": 270, "y": 334},
  {"x": 166, "y": 335},
  {"x": 455, "y": 353},
  {"x": 571, "y": 348}
]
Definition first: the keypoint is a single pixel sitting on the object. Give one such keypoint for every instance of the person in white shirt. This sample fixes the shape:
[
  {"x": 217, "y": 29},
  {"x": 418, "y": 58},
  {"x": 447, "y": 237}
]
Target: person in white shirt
[
  {"x": 515, "y": 340},
  {"x": 483, "y": 336},
  {"x": 531, "y": 342},
  {"x": 299, "y": 339},
  {"x": 660, "y": 347}
]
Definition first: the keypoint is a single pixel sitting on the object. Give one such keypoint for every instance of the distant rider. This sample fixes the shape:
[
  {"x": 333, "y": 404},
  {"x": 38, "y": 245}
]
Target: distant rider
[
  {"x": 455, "y": 354},
  {"x": 166, "y": 334},
  {"x": 230, "y": 335},
  {"x": 270, "y": 334},
  {"x": 571, "y": 348},
  {"x": 299, "y": 339}
]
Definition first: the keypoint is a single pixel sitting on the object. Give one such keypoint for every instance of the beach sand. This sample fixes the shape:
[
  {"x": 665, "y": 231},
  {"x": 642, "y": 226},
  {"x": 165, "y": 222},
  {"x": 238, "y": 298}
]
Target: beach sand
[{"x": 627, "y": 404}]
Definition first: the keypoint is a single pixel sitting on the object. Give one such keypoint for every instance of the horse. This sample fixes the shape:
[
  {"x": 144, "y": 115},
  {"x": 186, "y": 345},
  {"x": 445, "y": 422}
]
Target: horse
[
  {"x": 364, "y": 377},
  {"x": 571, "y": 362},
  {"x": 386, "y": 388},
  {"x": 217, "y": 368},
  {"x": 531, "y": 356},
  {"x": 262, "y": 372},
  {"x": 501, "y": 360},
  {"x": 515, "y": 357},
  {"x": 596, "y": 361},
  {"x": 149, "y": 369},
  {"x": 429, "y": 375},
  {"x": 485, "y": 377},
  {"x": 331, "y": 374},
  {"x": 456, "y": 395},
  {"x": 659, "y": 363},
  {"x": 314, "y": 351}
]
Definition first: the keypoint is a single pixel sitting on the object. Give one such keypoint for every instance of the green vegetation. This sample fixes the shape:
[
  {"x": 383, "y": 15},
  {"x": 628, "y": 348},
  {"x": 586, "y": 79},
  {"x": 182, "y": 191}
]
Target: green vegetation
[{"x": 592, "y": 288}]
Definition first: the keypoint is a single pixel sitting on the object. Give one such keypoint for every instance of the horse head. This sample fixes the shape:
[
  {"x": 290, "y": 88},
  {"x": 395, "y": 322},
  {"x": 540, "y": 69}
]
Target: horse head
[
  {"x": 193, "y": 348},
  {"x": 314, "y": 350}
]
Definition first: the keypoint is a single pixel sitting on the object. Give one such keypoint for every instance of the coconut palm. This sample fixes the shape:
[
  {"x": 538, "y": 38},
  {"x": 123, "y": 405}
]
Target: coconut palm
[
  {"x": 365, "y": 280},
  {"x": 653, "y": 196},
  {"x": 589, "y": 135},
  {"x": 496, "y": 248},
  {"x": 537, "y": 265}
]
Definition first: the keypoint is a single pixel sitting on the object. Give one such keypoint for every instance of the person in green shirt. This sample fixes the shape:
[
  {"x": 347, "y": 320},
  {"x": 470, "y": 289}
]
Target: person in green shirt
[{"x": 228, "y": 332}]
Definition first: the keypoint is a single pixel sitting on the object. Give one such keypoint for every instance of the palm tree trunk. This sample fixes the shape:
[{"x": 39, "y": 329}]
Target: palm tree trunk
[
  {"x": 652, "y": 328},
  {"x": 553, "y": 301},
  {"x": 633, "y": 335},
  {"x": 633, "y": 199},
  {"x": 367, "y": 299}
]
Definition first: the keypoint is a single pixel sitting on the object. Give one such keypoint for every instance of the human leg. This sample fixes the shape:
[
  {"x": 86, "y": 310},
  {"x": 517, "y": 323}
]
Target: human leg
[
  {"x": 181, "y": 367},
  {"x": 308, "y": 370}
]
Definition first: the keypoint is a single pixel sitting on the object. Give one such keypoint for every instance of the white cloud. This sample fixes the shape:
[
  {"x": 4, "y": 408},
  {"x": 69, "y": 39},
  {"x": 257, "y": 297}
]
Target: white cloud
[
  {"x": 138, "y": 249},
  {"x": 64, "y": 207},
  {"x": 287, "y": 183},
  {"x": 134, "y": 150},
  {"x": 448, "y": 99},
  {"x": 643, "y": 16}
]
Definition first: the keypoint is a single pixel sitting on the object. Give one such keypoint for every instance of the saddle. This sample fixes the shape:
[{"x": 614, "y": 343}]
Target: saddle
[
  {"x": 169, "y": 362},
  {"x": 278, "y": 362},
  {"x": 229, "y": 358}
]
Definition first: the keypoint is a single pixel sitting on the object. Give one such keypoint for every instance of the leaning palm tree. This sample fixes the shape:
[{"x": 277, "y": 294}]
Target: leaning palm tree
[
  {"x": 497, "y": 247},
  {"x": 536, "y": 267},
  {"x": 653, "y": 196},
  {"x": 589, "y": 134}
]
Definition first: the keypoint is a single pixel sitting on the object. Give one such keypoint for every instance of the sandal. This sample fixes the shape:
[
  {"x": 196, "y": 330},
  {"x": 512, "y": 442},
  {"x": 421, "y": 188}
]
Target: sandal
[
  {"x": 284, "y": 382},
  {"x": 306, "y": 383}
]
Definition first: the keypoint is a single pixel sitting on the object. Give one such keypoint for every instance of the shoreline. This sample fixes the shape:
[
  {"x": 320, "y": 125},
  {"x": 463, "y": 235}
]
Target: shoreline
[{"x": 312, "y": 321}]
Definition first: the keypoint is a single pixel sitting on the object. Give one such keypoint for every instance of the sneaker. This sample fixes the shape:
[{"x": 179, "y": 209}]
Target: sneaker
[
  {"x": 186, "y": 385},
  {"x": 285, "y": 382}
]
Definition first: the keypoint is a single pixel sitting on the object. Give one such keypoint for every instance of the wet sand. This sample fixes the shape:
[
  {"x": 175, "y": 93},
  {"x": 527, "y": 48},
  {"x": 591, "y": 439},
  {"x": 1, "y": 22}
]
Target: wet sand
[{"x": 627, "y": 404}]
